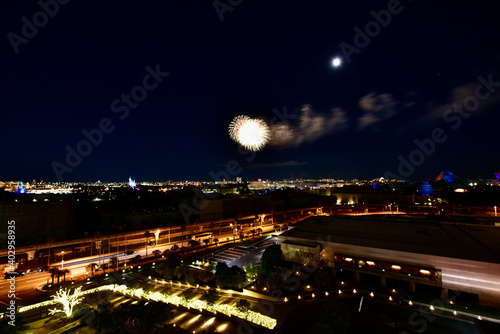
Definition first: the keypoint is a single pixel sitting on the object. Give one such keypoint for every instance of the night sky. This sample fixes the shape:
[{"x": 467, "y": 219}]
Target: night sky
[{"x": 265, "y": 59}]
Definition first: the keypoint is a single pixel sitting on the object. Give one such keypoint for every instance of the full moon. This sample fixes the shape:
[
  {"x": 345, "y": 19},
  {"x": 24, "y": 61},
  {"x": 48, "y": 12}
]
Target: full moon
[{"x": 336, "y": 62}]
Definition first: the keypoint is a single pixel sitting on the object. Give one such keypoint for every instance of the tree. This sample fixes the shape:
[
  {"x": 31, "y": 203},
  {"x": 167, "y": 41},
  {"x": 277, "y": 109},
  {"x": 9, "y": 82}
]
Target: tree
[
  {"x": 253, "y": 232},
  {"x": 194, "y": 243},
  {"x": 216, "y": 241},
  {"x": 173, "y": 260},
  {"x": 259, "y": 231},
  {"x": 64, "y": 272},
  {"x": 275, "y": 280},
  {"x": 191, "y": 277},
  {"x": 137, "y": 258},
  {"x": 174, "y": 248},
  {"x": 207, "y": 242},
  {"x": 53, "y": 273},
  {"x": 59, "y": 273},
  {"x": 114, "y": 262},
  {"x": 92, "y": 267},
  {"x": 306, "y": 258},
  {"x": 206, "y": 275},
  {"x": 68, "y": 299},
  {"x": 147, "y": 235},
  {"x": 250, "y": 269},
  {"x": 242, "y": 236},
  {"x": 211, "y": 296},
  {"x": 103, "y": 319},
  {"x": 271, "y": 258},
  {"x": 188, "y": 294},
  {"x": 180, "y": 271},
  {"x": 243, "y": 305},
  {"x": 226, "y": 277},
  {"x": 156, "y": 253}
]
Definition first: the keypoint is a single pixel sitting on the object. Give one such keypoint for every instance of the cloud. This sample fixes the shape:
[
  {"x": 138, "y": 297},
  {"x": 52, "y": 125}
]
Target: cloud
[
  {"x": 308, "y": 127},
  {"x": 457, "y": 95},
  {"x": 291, "y": 163},
  {"x": 376, "y": 108}
]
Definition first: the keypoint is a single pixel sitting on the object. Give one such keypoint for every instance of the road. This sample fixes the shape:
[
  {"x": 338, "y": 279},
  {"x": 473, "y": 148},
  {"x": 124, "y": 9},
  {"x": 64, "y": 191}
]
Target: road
[{"x": 26, "y": 286}]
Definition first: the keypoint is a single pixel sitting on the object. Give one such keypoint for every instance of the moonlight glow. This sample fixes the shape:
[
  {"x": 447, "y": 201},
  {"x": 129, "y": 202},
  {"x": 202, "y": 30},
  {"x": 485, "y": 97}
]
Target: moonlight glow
[
  {"x": 251, "y": 133},
  {"x": 336, "y": 62}
]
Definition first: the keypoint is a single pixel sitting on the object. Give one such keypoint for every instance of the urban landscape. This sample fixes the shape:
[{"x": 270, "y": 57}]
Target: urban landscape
[{"x": 250, "y": 167}]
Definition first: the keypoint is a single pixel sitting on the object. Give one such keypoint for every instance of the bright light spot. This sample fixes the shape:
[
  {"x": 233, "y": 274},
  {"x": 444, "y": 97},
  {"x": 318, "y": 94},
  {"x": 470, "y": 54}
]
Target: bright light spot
[
  {"x": 336, "y": 62},
  {"x": 251, "y": 133}
]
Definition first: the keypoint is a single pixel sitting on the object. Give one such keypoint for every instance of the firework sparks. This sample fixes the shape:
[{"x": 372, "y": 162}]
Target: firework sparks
[{"x": 251, "y": 133}]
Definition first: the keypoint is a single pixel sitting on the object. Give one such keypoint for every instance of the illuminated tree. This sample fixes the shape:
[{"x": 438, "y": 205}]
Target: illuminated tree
[
  {"x": 243, "y": 305},
  {"x": 68, "y": 299}
]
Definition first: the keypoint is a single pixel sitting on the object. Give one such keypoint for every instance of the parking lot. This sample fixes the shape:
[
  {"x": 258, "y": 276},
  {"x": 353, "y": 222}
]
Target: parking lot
[{"x": 239, "y": 255}]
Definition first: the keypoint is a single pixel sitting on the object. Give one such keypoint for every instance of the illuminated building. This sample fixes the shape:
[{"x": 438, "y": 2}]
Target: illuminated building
[
  {"x": 426, "y": 189},
  {"x": 464, "y": 259}
]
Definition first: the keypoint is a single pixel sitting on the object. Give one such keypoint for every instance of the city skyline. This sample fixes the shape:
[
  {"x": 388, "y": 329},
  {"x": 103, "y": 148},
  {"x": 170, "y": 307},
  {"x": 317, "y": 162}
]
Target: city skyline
[{"x": 111, "y": 90}]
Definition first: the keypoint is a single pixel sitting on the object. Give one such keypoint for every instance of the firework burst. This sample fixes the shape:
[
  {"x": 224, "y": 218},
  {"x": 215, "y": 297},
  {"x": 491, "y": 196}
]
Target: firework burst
[{"x": 251, "y": 133}]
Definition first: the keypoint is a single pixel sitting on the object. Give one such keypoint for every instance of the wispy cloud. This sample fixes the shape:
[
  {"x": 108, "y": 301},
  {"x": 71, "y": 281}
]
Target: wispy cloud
[
  {"x": 308, "y": 127},
  {"x": 376, "y": 108},
  {"x": 291, "y": 163}
]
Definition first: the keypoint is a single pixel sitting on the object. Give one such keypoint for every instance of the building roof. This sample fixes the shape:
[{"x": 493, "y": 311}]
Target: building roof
[{"x": 406, "y": 234}]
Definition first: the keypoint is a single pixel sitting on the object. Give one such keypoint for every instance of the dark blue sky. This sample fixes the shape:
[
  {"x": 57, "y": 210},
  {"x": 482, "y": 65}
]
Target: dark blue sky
[{"x": 347, "y": 122}]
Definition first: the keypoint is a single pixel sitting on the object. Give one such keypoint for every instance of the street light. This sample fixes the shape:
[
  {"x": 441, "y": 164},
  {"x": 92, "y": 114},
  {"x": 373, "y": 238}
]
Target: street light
[
  {"x": 495, "y": 210},
  {"x": 157, "y": 233},
  {"x": 62, "y": 263}
]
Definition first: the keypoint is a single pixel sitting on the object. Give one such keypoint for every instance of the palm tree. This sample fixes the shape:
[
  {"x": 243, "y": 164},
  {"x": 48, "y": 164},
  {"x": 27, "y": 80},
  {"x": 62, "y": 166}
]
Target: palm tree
[
  {"x": 253, "y": 232},
  {"x": 92, "y": 266},
  {"x": 114, "y": 262},
  {"x": 193, "y": 243},
  {"x": 58, "y": 273},
  {"x": 259, "y": 230},
  {"x": 216, "y": 241},
  {"x": 147, "y": 234},
  {"x": 53, "y": 272},
  {"x": 207, "y": 242},
  {"x": 64, "y": 272},
  {"x": 137, "y": 258},
  {"x": 156, "y": 252}
]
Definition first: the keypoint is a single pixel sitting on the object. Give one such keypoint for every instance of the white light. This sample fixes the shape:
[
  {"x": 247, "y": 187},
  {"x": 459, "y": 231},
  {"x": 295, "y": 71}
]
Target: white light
[{"x": 336, "y": 62}]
